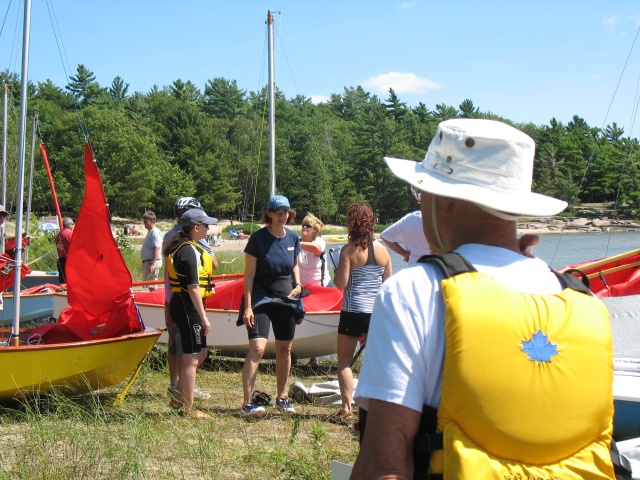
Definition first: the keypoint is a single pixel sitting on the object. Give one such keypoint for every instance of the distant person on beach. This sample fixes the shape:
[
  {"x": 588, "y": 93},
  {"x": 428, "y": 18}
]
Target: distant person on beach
[
  {"x": 174, "y": 350},
  {"x": 314, "y": 269},
  {"x": 190, "y": 270},
  {"x": 63, "y": 240},
  {"x": 364, "y": 264},
  {"x": 272, "y": 291},
  {"x": 458, "y": 344},
  {"x": 150, "y": 251},
  {"x": 406, "y": 236}
]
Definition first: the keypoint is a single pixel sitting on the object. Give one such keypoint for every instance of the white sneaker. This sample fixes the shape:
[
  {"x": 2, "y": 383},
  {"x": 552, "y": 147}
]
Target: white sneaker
[
  {"x": 251, "y": 410},
  {"x": 200, "y": 394},
  {"x": 284, "y": 405}
]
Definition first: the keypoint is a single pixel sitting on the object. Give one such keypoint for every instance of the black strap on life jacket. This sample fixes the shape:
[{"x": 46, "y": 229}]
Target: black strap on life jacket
[{"x": 427, "y": 440}]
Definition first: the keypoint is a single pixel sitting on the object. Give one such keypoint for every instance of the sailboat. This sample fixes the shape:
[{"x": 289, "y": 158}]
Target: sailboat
[{"x": 100, "y": 338}]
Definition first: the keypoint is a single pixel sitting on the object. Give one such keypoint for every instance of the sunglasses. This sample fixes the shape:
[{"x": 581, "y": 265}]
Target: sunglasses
[{"x": 307, "y": 225}]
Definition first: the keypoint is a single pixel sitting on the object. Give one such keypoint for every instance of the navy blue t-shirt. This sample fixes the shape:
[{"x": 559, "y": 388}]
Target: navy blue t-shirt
[{"x": 276, "y": 256}]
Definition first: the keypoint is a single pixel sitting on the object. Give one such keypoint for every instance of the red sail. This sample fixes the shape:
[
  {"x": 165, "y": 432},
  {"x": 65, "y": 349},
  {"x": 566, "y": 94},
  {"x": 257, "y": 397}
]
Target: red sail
[{"x": 98, "y": 280}]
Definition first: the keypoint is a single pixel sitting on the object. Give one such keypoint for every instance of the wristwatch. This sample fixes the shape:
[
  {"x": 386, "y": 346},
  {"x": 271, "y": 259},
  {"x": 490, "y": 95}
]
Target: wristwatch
[{"x": 298, "y": 285}]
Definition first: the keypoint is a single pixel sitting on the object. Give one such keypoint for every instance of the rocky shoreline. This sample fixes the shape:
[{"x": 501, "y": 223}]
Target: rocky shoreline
[{"x": 576, "y": 225}]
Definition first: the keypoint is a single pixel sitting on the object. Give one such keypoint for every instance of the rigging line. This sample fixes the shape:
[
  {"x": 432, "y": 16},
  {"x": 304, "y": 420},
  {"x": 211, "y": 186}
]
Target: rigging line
[
  {"x": 5, "y": 17},
  {"x": 61, "y": 50},
  {"x": 288, "y": 64},
  {"x": 14, "y": 44},
  {"x": 621, "y": 75},
  {"x": 584, "y": 174}
]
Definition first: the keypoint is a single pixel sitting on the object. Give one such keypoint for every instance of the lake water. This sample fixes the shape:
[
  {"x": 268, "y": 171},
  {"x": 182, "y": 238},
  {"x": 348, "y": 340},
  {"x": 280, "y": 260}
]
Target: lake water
[{"x": 560, "y": 250}]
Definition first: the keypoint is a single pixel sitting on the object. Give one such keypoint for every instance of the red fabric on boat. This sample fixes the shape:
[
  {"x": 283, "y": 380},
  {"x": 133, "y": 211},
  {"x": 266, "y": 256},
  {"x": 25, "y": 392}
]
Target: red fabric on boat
[
  {"x": 44, "y": 288},
  {"x": 323, "y": 299},
  {"x": 7, "y": 274},
  {"x": 98, "y": 281},
  {"x": 156, "y": 297},
  {"x": 228, "y": 295}
]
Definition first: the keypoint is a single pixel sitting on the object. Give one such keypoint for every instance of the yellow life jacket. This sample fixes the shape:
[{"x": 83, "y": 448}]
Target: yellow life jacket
[
  {"x": 526, "y": 384},
  {"x": 205, "y": 271}
]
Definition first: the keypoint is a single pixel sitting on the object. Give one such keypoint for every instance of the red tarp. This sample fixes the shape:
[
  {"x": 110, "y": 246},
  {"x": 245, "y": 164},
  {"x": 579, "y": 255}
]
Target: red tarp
[
  {"x": 98, "y": 280},
  {"x": 229, "y": 293}
]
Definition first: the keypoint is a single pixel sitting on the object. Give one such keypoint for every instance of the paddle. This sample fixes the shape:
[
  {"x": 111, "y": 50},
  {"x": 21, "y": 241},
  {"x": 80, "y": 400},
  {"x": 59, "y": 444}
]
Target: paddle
[
  {"x": 613, "y": 270},
  {"x": 605, "y": 261}
]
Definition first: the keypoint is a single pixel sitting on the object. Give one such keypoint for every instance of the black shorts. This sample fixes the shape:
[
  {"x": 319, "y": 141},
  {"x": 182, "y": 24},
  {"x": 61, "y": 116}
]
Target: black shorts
[
  {"x": 186, "y": 318},
  {"x": 354, "y": 324},
  {"x": 282, "y": 319}
]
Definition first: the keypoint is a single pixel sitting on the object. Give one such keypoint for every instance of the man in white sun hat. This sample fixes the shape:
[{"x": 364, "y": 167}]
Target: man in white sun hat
[{"x": 509, "y": 374}]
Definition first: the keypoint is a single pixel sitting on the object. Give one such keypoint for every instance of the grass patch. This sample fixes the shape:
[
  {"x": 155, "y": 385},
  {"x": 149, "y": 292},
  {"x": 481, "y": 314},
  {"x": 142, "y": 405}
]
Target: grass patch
[{"x": 57, "y": 437}]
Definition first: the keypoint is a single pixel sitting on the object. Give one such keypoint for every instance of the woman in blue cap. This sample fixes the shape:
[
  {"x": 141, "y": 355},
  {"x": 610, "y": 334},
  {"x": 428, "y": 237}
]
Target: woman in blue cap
[{"x": 272, "y": 291}]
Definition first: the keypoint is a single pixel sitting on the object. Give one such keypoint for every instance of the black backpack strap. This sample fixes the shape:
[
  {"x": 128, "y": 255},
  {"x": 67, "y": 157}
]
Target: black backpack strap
[
  {"x": 621, "y": 465},
  {"x": 451, "y": 263},
  {"x": 425, "y": 442},
  {"x": 571, "y": 281}
]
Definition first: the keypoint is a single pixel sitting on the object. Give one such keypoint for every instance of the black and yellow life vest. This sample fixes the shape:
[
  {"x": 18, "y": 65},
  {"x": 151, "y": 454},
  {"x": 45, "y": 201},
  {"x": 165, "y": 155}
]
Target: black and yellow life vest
[
  {"x": 526, "y": 384},
  {"x": 178, "y": 281}
]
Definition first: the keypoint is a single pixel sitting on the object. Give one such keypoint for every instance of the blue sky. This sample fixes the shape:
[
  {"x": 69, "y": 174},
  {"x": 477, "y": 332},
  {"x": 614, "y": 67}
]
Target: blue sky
[{"x": 526, "y": 61}]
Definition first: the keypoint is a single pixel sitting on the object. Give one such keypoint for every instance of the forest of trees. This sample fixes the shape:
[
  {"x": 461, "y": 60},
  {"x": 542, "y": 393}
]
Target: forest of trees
[{"x": 177, "y": 140}]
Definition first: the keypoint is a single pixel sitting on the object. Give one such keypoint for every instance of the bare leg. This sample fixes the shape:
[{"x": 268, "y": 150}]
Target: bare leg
[
  {"x": 346, "y": 347},
  {"x": 250, "y": 368},
  {"x": 187, "y": 381},
  {"x": 283, "y": 366},
  {"x": 173, "y": 360}
]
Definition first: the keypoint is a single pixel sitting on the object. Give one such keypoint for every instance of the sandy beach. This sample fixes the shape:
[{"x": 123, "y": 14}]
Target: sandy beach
[{"x": 593, "y": 220}]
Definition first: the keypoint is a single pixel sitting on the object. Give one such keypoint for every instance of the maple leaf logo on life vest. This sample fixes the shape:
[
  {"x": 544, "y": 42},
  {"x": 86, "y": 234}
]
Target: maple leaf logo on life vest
[{"x": 539, "y": 348}]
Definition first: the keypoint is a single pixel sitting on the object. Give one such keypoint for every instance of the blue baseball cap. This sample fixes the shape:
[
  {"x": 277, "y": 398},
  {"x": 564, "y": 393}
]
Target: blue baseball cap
[{"x": 278, "y": 201}]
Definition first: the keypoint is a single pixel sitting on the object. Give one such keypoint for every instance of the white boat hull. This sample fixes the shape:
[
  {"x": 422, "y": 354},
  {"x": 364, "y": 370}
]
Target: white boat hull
[{"x": 316, "y": 336}]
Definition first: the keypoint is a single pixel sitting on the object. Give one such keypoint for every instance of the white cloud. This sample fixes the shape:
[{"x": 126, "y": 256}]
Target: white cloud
[
  {"x": 610, "y": 21},
  {"x": 408, "y": 83},
  {"x": 316, "y": 99},
  {"x": 636, "y": 20},
  {"x": 407, "y": 5}
]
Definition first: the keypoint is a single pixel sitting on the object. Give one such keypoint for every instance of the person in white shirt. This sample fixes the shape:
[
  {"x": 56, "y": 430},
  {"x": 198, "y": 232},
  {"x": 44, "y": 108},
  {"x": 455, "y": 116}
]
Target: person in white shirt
[
  {"x": 313, "y": 262},
  {"x": 150, "y": 251},
  {"x": 406, "y": 238},
  {"x": 475, "y": 181}
]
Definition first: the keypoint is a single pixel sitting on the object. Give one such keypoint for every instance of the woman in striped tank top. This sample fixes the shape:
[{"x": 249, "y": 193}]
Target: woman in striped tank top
[{"x": 364, "y": 265}]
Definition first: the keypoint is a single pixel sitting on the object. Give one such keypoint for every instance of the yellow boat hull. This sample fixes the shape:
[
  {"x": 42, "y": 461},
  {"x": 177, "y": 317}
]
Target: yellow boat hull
[{"x": 72, "y": 368}]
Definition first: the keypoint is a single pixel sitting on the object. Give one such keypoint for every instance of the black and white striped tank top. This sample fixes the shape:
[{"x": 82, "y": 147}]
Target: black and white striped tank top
[{"x": 364, "y": 284}]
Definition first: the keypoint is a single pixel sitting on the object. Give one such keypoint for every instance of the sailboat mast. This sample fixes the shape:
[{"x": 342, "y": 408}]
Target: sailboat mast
[
  {"x": 5, "y": 102},
  {"x": 22, "y": 127},
  {"x": 272, "y": 121}
]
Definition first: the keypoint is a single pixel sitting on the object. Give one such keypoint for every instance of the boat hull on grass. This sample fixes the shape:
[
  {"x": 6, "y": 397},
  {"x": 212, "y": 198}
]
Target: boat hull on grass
[
  {"x": 32, "y": 307},
  {"x": 316, "y": 336},
  {"x": 71, "y": 368}
]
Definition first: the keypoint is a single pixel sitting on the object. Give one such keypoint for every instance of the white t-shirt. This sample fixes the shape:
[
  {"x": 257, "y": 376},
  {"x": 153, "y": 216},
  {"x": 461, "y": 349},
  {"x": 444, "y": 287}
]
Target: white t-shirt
[
  {"x": 408, "y": 231},
  {"x": 405, "y": 347},
  {"x": 310, "y": 266}
]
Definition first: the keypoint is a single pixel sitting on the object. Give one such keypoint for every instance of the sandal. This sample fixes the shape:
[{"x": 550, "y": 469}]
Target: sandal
[
  {"x": 195, "y": 413},
  {"x": 341, "y": 417}
]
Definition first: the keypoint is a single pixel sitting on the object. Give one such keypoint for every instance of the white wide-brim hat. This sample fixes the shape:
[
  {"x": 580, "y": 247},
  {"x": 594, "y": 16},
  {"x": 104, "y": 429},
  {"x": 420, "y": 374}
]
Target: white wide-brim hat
[{"x": 484, "y": 162}]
